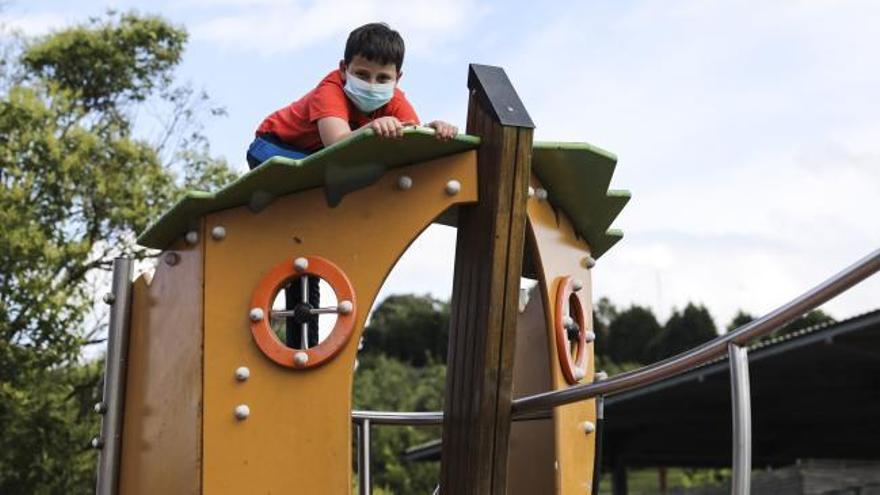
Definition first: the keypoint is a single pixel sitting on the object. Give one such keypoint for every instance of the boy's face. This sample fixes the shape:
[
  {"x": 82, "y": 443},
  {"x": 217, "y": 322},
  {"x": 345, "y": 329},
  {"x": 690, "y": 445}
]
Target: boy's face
[{"x": 369, "y": 71}]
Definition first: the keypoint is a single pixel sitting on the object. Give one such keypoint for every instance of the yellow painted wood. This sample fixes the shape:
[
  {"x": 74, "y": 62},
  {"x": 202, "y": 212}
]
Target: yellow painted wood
[
  {"x": 161, "y": 441},
  {"x": 298, "y": 436},
  {"x": 558, "y": 252}
]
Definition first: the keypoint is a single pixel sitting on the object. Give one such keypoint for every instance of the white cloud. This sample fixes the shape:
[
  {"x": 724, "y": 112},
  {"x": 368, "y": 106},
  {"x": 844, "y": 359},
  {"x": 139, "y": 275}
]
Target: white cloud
[
  {"x": 31, "y": 24},
  {"x": 283, "y": 27}
]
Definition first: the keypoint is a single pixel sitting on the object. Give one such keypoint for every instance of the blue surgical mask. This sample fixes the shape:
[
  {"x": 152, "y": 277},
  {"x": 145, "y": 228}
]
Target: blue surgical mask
[{"x": 367, "y": 97}]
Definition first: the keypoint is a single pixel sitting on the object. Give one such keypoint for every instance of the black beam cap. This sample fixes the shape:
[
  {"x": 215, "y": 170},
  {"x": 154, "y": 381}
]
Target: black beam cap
[{"x": 492, "y": 87}]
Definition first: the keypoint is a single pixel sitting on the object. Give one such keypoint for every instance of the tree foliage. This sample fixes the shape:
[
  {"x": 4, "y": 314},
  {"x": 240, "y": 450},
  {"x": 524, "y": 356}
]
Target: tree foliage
[
  {"x": 413, "y": 329},
  {"x": 76, "y": 183},
  {"x": 388, "y": 384},
  {"x": 629, "y": 334},
  {"x": 685, "y": 329}
]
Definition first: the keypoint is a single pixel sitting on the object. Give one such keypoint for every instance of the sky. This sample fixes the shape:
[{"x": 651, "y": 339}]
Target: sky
[{"x": 747, "y": 132}]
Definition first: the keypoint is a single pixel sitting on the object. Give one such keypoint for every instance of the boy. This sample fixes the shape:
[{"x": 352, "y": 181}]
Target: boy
[{"x": 362, "y": 94}]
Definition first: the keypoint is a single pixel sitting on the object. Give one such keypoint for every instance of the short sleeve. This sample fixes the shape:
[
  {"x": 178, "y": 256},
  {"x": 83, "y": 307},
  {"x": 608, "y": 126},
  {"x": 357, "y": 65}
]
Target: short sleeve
[
  {"x": 327, "y": 100},
  {"x": 403, "y": 110}
]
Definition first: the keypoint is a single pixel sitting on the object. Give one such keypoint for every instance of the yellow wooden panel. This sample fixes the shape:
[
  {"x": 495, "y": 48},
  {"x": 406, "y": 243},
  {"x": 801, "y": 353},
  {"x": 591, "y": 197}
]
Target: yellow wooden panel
[
  {"x": 298, "y": 436},
  {"x": 161, "y": 435},
  {"x": 558, "y": 253}
]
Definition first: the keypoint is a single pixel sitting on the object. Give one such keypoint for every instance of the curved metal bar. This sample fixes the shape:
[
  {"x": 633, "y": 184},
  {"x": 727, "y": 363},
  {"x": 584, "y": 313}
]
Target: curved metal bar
[
  {"x": 701, "y": 354},
  {"x": 742, "y": 420},
  {"x": 398, "y": 418}
]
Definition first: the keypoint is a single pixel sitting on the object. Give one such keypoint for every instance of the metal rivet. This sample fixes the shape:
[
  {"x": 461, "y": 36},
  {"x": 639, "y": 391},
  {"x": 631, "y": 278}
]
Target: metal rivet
[
  {"x": 218, "y": 232},
  {"x": 301, "y": 358},
  {"x": 589, "y": 262},
  {"x": 576, "y": 285},
  {"x": 242, "y": 373},
  {"x": 579, "y": 374},
  {"x": 404, "y": 182},
  {"x": 109, "y": 298},
  {"x": 171, "y": 258},
  {"x": 256, "y": 314},
  {"x": 509, "y": 109},
  {"x": 600, "y": 375},
  {"x": 453, "y": 187},
  {"x": 97, "y": 443},
  {"x": 588, "y": 427},
  {"x": 345, "y": 307},
  {"x": 531, "y": 191},
  {"x": 590, "y": 335},
  {"x": 191, "y": 237},
  {"x": 100, "y": 407},
  {"x": 541, "y": 193},
  {"x": 567, "y": 322},
  {"x": 242, "y": 411},
  {"x": 301, "y": 264}
]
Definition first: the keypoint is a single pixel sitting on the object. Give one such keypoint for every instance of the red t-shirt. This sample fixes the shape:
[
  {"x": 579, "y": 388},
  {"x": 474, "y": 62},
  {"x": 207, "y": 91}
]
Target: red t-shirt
[{"x": 297, "y": 123}]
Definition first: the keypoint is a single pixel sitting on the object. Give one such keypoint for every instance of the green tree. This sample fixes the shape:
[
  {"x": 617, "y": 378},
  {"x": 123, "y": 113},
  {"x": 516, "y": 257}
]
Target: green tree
[
  {"x": 383, "y": 383},
  {"x": 76, "y": 184},
  {"x": 684, "y": 329},
  {"x": 604, "y": 312},
  {"x": 413, "y": 329},
  {"x": 630, "y": 333},
  {"x": 741, "y": 318}
]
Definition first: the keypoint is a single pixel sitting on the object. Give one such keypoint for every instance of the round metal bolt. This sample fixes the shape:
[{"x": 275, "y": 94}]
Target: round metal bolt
[
  {"x": 100, "y": 407},
  {"x": 579, "y": 374},
  {"x": 588, "y": 427},
  {"x": 404, "y": 182},
  {"x": 97, "y": 443},
  {"x": 301, "y": 264},
  {"x": 567, "y": 321},
  {"x": 531, "y": 191},
  {"x": 256, "y": 314},
  {"x": 576, "y": 285},
  {"x": 589, "y": 261},
  {"x": 218, "y": 232},
  {"x": 591, "y": 335},
  {"x": 509, "y": 109},
  {"x": 301, "y": 358},
  {"x": 192, "y": 237},
  {"x": 171, "y": 258},
  {"x": 109, "y": 298},
  {"x": 453, "y": 187},
  {"x": 242, "y": 411},
  {"x": 242, "y": 373},
  {"x": 599, "y": 376},
  {"x": 541, "y": 194},
  {"x": 345, "y": 307}
]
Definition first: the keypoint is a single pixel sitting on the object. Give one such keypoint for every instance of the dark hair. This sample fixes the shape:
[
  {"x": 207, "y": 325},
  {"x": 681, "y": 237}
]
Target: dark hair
[{"x": 376, "y": 42}]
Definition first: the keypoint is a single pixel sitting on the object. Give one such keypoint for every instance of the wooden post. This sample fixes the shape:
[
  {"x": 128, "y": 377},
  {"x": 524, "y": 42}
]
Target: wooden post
[{"x": 485, "y": 291}]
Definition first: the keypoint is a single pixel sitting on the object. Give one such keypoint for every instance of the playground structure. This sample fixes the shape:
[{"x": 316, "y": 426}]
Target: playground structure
[{"x": 220, "y": 378}]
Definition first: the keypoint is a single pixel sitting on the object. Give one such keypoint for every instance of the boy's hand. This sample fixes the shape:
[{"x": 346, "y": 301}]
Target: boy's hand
[
  {"x": 445, "y": 130},
  {"x": 388, "y": 127}
]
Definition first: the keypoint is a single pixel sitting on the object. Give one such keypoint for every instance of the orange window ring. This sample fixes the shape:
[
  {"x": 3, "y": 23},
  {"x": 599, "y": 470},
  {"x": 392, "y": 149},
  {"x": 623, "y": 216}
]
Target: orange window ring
[
  {"x": 261, "y": 312},
  {"x": 571, "y": 329}
]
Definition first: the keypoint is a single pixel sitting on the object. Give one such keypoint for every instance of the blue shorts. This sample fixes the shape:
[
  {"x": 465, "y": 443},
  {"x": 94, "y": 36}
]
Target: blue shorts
[{"x": 266, "y": 146}]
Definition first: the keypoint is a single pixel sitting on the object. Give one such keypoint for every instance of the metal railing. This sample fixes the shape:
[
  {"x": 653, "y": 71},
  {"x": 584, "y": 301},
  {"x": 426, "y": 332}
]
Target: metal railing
[{"x": 538, "y": 406}]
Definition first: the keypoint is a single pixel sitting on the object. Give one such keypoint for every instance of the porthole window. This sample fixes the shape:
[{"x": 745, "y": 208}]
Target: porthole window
[{"x": 303, "y": 312}]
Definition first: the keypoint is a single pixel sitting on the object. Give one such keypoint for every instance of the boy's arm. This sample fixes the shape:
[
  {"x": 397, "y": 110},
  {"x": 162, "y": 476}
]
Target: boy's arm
[{"x": 335, "y": 129}]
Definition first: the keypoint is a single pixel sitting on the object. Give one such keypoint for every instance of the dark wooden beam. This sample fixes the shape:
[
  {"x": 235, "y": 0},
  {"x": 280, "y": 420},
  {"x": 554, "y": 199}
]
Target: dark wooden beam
[{"x": 485, "y": 291}]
